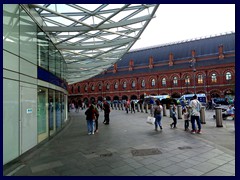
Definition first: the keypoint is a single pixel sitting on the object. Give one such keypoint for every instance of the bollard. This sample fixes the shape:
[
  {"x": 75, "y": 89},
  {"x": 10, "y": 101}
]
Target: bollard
[
  {"x": 170, "y": 110},
  {"x": 179, "y": 110},
  {"x": 118, "y": 106},
  {"x": 218, "y": 112},
  {"x": 146, "y": 110},
  {"x": 164, "y": 109},
  {"x": 202, "y": 115},
  {"x": 122, "y": 106}
]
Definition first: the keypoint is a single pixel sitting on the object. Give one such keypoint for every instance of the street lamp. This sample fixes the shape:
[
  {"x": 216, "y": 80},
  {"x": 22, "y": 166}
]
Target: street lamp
[{"x": 192, "y": 65}]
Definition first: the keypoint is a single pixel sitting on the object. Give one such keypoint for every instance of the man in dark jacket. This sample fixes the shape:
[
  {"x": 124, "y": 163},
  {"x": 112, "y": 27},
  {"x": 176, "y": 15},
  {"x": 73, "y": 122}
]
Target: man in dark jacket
[{"x": 106, "y": 109}]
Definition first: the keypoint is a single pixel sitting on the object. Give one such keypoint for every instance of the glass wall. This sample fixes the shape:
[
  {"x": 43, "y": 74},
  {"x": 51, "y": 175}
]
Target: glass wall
[{"x": 25, "y": 47}]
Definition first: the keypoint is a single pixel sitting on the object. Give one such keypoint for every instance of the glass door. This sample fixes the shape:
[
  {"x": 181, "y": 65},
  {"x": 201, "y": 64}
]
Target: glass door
[
  {"x": 51, "y": 111},
  {"x": 42, "y": 114}
]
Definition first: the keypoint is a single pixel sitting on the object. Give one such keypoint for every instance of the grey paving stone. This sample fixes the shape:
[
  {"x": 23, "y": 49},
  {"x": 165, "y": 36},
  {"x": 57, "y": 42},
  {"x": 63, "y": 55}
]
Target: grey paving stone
[
  {"x": 205, "y": 167},
  {"x": 46, "y": 166},
  {"x": 122, "y": 169},
  {"x": 194, "y": 172},
  {"x": 160, "y": 173},
  {"x": 164, "y": 163},
  {"x": 217, "y": 172},
  {"x": 227, "y": 168},
  {"x": 142, "y": 171},
  {"x": 173, "y": 169}
]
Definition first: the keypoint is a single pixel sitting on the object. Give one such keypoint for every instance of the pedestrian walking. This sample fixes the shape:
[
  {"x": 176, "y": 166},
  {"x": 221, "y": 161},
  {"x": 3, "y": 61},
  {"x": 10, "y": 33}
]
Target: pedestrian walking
[
  {"x": 195, "y": 107},
  {"x": 173, "y": 112},
  {"x": 158, "y": 114},
  {"x": 90, "y": 117},
  {"x": 106, "y": 109},
  {"x": 132, "y": 106},
  {"x": 96, "y": 119}
]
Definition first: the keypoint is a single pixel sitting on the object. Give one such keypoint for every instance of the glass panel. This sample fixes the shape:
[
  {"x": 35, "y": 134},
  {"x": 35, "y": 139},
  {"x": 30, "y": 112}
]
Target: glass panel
[
  {"x": 28, "y": 38},
  {"x": 58, "y": 109},
  {"x": 153, "y": 82},
  {"x": 11, "y": 28},
  {"x": 62, "y": 107},
  {"x": 51, "y": 111},
  {"x": 42, "y": 114},
  {"x": 58, "y": 64},
  {"x": 228, "y": 76},
  {"x": 43, "y": 50},
  {"x": 52, "y": 67}
]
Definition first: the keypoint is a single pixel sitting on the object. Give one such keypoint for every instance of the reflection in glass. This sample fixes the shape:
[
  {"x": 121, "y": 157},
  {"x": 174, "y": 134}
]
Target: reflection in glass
[{"x": 58, "y": 109}]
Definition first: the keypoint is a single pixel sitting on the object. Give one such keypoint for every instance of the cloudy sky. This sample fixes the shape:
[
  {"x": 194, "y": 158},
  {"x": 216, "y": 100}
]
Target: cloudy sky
[{"x": 177, "y": 22}]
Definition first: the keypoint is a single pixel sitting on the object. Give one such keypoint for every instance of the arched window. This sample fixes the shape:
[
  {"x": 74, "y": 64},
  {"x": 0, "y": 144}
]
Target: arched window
[
  {"x": 79, "y": 89},
  {"x": 99, "y": 87},
  {"x": 187, "y": 80},
  {"x": 228, "y": 76},
  {"x": 116, "y": 85},
  {"x": 214, "y": 77},
  {"x": 133, "y": 84},
  {"x": 164, "y": 82},
  {"x": 124, "y": 85},
  {"x": 143, "y": 83},
  {"x": 153, "y": 82},
  {"x": 72, "y": 89},
  {"x": 175, "y": 81},
  {"x": 93, "y": 87},
  {"x": 200, "y": 79},
  {"x": 107, "y": 86},
  {"x": 85, "y": 88}
]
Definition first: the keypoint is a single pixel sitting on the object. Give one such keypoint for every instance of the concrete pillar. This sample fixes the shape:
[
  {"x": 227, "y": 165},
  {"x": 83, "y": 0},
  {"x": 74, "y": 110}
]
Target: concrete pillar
[
  {"x": 164, "y": 109},
  {"x": 218, "y": 113},
  {"x": 146, "y": 110},
  {"x": 202, "y": 115},
  {"x": 179, "y": 110}
]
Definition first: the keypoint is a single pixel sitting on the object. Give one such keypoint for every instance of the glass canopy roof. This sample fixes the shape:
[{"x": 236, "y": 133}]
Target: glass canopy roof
[{"x": 92, "y": 37}]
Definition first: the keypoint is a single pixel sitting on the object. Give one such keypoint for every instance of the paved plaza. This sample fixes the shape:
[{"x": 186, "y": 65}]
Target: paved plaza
[{"x": 128, "y": 146}]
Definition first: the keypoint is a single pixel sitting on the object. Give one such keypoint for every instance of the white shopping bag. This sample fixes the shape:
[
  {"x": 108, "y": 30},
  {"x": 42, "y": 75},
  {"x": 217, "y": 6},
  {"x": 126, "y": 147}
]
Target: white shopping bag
[{"x": 150, "y": 120}]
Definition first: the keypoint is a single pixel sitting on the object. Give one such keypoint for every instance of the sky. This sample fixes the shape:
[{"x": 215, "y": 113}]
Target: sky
[{"x": 178, "y": 22}]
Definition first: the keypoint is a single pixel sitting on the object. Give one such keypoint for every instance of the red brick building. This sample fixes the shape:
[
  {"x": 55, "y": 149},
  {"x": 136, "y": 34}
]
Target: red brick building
[{"x": 204, "y": 65}]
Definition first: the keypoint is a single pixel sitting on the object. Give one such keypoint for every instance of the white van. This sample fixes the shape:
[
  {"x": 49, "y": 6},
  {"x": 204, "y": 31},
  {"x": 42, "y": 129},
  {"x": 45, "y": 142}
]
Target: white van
[{"x": 188, "y": 97}]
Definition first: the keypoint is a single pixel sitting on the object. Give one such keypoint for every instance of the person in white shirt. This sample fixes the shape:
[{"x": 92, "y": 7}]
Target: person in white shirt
[{"x": 195, "y": 106}]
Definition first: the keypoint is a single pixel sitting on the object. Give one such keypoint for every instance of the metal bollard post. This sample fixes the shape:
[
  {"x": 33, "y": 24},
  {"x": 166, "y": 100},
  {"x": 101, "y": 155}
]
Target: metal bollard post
[
  {"x": 179, "y": 109},
  {"x": 118, "y": 106},
  {"x": 218, "y": 112},
  {"x": 170, "y": 110},
  {"x": 164, "y": 109},
  {"x": 202, "y": 115}
]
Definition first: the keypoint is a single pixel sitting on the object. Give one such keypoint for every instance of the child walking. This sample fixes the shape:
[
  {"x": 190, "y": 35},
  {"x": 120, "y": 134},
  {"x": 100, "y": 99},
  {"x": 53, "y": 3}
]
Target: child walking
[{"x": 186, "y": 119}]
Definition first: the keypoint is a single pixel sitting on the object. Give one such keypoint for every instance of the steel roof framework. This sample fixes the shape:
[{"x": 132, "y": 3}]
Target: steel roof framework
[{"x": 92, "y": 37}]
